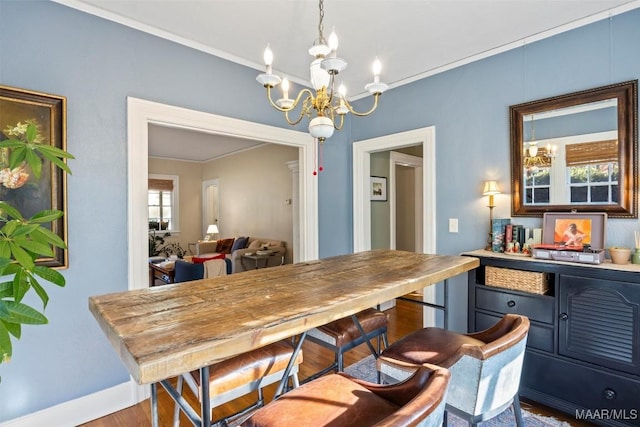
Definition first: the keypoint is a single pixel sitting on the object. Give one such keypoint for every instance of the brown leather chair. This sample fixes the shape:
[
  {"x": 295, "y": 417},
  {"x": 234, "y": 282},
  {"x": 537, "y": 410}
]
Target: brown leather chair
[
  {"x": 338, "y": 400},
  {"x": 343, "y": 334},
  {"x": 242, "y": 374},
  {"x": 485, "y": 366}
]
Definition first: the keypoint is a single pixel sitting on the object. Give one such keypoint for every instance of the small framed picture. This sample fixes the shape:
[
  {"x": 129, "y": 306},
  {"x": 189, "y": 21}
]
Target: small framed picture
[
  {"x": 378, "y": 190},
  {"x": 574, "y": 229}
]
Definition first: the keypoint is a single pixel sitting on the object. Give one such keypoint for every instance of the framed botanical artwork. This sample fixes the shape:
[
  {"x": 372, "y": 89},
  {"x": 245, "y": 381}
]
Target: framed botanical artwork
[
  {"x": 378, "y": 190},
  {"x": 34, "y": 186}
]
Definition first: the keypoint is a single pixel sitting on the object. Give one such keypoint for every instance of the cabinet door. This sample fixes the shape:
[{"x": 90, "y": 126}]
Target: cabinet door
[{"x": 599, "y": 322}]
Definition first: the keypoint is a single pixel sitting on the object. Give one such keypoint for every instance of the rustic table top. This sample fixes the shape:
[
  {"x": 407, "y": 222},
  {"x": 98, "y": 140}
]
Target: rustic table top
[{"x": 165, "y": 331}]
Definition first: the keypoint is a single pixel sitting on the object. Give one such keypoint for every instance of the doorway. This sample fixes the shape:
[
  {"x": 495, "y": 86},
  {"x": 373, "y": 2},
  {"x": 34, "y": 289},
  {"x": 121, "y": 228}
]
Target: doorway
[
  {"x": 362, "y": 151},
  {"x": 405, "y": 202},
  {"x": 210, "y": 204},
  {"x": 141, "y": 113}
]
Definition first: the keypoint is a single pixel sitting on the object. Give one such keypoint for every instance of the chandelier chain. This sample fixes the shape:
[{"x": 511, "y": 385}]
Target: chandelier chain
[{"x": 320, "y": 27}]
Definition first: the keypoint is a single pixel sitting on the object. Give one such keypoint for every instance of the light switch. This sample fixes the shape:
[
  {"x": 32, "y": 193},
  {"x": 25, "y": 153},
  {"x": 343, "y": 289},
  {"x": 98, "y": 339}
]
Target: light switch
[{"x": 453, "y": 225}]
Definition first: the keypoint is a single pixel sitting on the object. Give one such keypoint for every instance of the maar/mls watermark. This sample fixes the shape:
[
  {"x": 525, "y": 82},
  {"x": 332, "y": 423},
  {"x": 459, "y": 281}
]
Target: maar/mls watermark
[{"x": 606, "y": 414}]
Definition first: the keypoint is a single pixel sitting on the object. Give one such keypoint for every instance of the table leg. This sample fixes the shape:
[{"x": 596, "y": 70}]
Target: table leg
[
  {"x": 205, "y": 401},
  {"x": 154, "y": 405},
  {"x": 285, "y": 376},
  {"x": 443, "y": 307},
  {"x": 195, "y": 419},
  {"x": 364, "y": 335}
]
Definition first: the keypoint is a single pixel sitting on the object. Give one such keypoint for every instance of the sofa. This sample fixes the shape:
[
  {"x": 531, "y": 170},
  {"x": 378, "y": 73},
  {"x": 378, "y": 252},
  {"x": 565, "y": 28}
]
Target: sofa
[{"x": 234, "y": 248}]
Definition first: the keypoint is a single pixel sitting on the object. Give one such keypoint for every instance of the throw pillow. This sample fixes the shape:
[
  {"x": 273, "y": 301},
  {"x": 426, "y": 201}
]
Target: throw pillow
[
  {"x": 239, "y": 243},
  {"x": 198, "y": 260},
  {"x": 224, "y": 246},
  {"x": 255, "y": 244}
]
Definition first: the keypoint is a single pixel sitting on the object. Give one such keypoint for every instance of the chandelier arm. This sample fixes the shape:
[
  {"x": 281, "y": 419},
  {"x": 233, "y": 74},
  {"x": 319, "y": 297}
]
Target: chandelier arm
[
  {"x": 305, "y": 110},
  {"x": 355, "y": 113},
  {"x": 341, "y": 122},
  {"x": 294, "y": 122},
  {"x": 295, "y": 102}
]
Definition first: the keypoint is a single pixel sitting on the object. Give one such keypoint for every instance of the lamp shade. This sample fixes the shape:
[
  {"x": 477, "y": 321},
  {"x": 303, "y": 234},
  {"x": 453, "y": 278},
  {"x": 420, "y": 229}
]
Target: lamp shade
[
  {"x": 212, "y": 229},
  {"x": 490, "y": 188}
]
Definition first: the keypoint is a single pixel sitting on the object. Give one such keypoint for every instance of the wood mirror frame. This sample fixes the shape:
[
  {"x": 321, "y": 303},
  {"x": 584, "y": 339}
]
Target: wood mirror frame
[{"x": 626, "y": 96}]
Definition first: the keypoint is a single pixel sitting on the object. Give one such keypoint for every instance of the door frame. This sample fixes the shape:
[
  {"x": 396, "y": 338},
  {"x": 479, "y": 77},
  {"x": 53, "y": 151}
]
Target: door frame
[
  {"x": 141, "y": 113},
  {"x": 362, "y": 170}
]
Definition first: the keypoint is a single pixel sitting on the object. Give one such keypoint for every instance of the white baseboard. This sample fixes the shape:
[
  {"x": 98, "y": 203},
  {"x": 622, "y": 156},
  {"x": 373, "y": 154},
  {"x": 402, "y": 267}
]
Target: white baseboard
[{"x": 86, "y": 408}]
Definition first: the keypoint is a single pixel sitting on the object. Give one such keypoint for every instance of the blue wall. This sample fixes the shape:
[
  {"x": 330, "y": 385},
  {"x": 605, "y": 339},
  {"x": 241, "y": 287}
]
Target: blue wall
[{"x": 96, "y": 64}]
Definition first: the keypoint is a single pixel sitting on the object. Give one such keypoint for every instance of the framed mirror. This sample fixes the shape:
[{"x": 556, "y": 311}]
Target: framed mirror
[{"x": 576, "y": 152}]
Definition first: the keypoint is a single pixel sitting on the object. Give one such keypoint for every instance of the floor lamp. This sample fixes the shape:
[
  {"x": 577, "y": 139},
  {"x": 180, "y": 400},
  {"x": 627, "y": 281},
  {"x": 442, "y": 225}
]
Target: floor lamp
[{"x": 490, "y": 189}]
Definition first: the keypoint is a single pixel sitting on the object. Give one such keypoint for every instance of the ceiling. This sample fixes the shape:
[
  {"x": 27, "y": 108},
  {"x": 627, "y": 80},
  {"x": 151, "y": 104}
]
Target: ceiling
[{"x": 412, "y": 38}]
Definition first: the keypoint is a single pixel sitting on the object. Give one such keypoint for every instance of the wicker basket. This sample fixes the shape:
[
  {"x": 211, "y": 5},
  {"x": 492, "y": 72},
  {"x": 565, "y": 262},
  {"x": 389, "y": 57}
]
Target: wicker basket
[{"x": 527, "y": 281}]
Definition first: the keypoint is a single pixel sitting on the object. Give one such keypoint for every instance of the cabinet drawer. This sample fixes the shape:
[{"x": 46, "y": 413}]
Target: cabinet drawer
[
  {"x": 583, "y": 386},
  {"x": 540, "y": 337},
  {"x": 536, "y": 308}
]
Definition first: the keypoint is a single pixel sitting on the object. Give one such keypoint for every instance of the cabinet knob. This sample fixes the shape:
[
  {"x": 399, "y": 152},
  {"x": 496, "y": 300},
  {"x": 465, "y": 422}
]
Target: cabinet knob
[
  {"x": 564, "y": 316},
  {"x": 511, "y": 303},
  {"x": 609, "y": 394}
]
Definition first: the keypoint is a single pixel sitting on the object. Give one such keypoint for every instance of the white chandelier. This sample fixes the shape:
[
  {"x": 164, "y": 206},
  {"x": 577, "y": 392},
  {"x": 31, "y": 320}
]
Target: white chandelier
[{"x": 325, "y": 107}]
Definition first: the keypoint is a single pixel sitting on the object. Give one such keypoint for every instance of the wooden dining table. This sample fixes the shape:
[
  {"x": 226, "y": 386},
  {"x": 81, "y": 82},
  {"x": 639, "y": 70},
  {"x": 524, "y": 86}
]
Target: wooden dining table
[{"x": 165, "y": 331}]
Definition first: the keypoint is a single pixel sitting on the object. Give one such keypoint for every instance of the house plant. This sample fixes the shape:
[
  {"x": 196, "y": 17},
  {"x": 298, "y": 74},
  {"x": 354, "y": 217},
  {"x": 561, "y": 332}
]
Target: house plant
[
  {"x": 159, "y": 246},
  {"x": 23, "y": 156}
]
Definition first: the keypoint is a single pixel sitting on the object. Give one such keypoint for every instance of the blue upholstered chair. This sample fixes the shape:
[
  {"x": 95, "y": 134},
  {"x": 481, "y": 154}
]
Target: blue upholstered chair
[
  {"x": 485, "y": 366},
  {"x": 186, "y": 271}
]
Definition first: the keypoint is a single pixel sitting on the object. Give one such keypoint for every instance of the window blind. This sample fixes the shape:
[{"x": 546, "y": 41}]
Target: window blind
[
  {"x": 161, "y": 184},
  {"x": 589, "y": 153}
]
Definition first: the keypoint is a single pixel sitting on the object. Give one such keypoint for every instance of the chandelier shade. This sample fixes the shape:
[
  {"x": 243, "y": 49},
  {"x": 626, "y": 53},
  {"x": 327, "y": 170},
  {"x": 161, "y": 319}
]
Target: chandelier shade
[{"x": 325, "y": 106}]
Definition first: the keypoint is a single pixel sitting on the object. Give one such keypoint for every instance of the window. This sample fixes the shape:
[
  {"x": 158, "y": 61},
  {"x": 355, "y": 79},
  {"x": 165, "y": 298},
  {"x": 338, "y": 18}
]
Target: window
[
  {"x": 163, "y": 203},
  {"x": 594, "y": 184},
  {"x": 592, "y": 169},
  {"x": 537, "y": 186}
]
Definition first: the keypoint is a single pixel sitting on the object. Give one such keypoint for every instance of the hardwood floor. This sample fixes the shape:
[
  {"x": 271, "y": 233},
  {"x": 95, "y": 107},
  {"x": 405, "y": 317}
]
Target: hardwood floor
[{"x": 404, "y": 318}]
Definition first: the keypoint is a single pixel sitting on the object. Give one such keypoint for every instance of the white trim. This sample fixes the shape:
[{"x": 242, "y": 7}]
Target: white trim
[
  {"x": 83, "y": 409},
  {"x": 362, "y": 205},
  {"x": 361, "y": 171}
]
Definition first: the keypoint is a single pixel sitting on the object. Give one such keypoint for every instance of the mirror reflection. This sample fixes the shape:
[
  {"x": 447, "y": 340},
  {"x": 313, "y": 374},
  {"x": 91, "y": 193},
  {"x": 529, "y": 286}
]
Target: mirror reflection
[
  {"x": 576, "y": 152},
  {"x": 571, "y": 155}
]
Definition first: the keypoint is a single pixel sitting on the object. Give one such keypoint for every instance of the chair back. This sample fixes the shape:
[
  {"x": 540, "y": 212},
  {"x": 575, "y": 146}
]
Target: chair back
[
  {"x": 487, "y": 377},
  {"x": 186, "y": 271},
  {"x": 422, "y": 398}
]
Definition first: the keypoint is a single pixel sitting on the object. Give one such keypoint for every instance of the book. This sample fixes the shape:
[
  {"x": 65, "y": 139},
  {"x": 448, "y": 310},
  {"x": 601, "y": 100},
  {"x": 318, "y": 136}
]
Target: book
[{"x": 498, "y": 228}]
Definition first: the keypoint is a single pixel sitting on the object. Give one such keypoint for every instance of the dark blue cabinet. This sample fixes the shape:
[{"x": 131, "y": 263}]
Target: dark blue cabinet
[{"x": 583, "y": 351}]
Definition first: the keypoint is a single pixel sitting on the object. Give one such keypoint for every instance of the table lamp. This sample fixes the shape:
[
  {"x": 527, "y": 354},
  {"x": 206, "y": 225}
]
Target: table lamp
[
  {"x": 490, "y": 189},
  {"x": 211, "y": 230}
]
